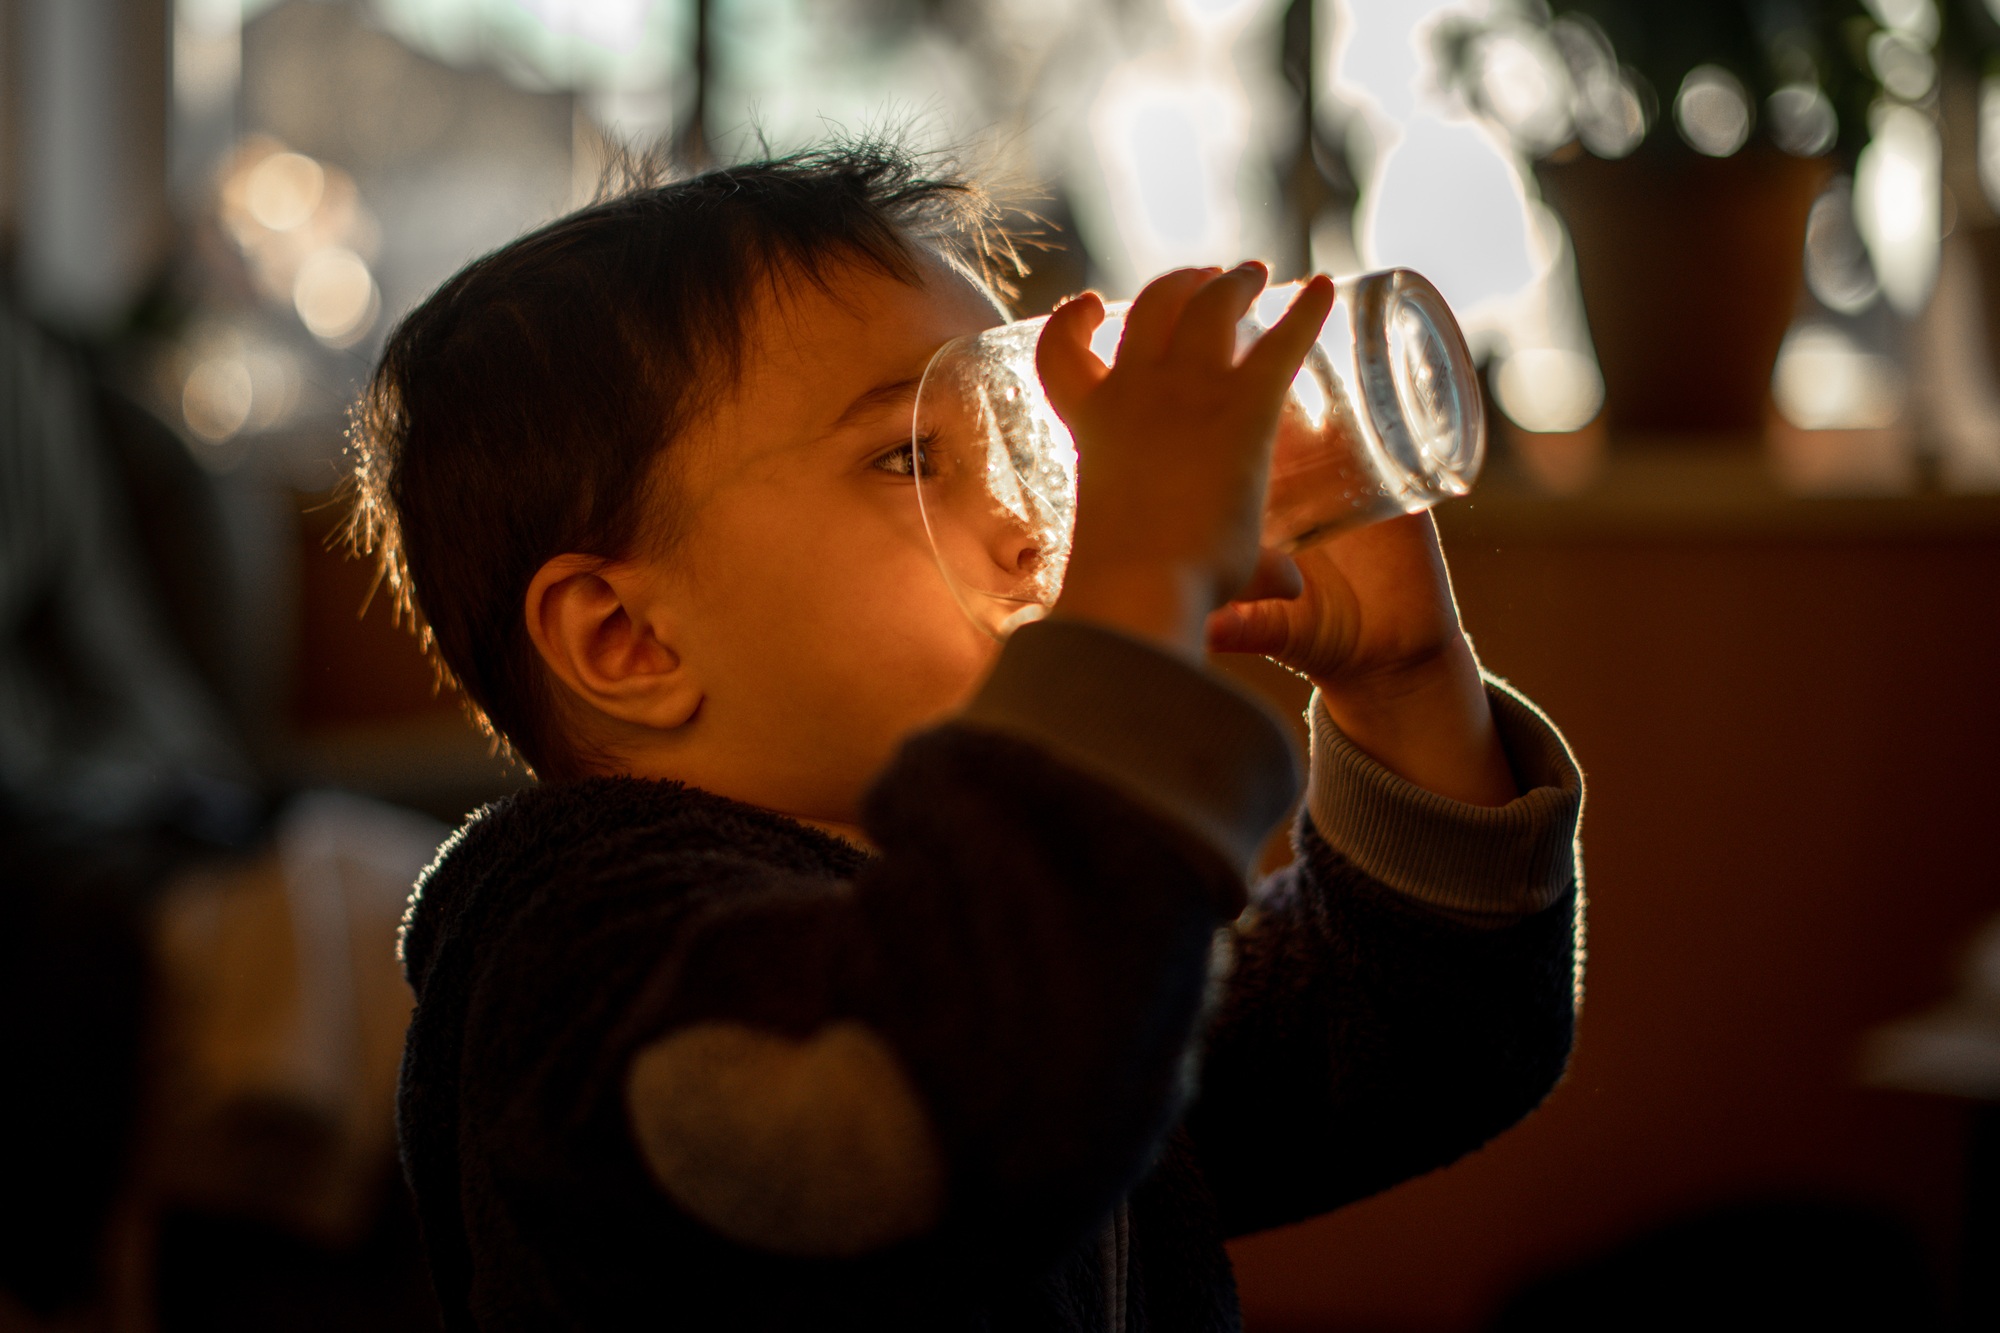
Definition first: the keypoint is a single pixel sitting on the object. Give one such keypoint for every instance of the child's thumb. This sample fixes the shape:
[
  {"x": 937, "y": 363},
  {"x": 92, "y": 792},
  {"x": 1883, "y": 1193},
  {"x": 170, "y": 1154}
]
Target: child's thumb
[
  {"x": 1263, "y": 627},
  {"x": 1069, "y": 369}
]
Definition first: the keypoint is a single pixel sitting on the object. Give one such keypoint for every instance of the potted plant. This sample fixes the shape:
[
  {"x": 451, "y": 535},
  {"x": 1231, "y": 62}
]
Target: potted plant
[{"x": 1684, "y": 145}]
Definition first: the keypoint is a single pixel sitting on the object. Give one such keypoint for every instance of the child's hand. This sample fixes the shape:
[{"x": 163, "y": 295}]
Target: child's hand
[
  {"x": 1377, "y": 631},
  {"x": 1174, "y": 444},
  {"x": 1376, "y": 606}
]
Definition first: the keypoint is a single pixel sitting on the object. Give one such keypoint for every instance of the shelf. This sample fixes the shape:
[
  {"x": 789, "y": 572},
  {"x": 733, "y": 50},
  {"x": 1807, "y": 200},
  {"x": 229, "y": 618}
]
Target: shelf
[{"x": 1702, "y": 490}]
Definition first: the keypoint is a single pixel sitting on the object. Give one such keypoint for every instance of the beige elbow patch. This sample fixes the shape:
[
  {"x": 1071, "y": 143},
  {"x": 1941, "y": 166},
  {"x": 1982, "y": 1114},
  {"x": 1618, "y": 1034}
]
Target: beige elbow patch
[{"x": 815, "y": 1148}]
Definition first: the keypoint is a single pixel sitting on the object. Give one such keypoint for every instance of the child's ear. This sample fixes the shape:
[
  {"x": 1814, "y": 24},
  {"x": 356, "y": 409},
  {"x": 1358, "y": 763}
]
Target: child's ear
[{"x": 604, "y": 632}]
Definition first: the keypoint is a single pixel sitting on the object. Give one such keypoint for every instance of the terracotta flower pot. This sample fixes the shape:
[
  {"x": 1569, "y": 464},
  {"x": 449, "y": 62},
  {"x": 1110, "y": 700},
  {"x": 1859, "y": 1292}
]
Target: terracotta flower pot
[{"x": 1691, "y": 269}]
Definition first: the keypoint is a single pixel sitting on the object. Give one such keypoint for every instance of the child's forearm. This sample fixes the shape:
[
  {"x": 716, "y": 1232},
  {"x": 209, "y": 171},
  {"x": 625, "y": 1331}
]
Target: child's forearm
[{"x": 1406, "y": 984}]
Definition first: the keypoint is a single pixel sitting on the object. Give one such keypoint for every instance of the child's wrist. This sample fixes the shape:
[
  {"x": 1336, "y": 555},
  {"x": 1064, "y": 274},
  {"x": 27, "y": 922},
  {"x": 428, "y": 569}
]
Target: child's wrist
[
  {"x": 1428, "y": 722},
  {"x": 1412, "y": 685}
]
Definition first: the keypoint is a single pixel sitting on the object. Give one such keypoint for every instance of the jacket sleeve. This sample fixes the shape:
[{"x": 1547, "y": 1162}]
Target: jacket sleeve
[
  {"x": 977, "y": 1043},
  {"x": 1404, "y": 991}
]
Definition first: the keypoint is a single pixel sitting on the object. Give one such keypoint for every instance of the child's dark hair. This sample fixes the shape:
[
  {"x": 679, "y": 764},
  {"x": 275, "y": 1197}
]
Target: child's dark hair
[{"x": 517, "y": 413}]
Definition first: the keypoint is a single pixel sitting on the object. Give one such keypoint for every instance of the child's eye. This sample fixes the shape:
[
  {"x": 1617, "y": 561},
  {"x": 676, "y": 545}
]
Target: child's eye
[{"x": 904, "y": 459}]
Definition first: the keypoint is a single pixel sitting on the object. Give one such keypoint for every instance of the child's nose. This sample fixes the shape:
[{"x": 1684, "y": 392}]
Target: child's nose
[{"x": 1016, "y": 549}]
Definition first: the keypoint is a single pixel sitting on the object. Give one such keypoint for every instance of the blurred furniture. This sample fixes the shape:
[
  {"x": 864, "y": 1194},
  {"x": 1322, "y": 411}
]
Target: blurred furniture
[
  {"x": 1953, "y": 1050},
  {"x": 280, "y": 1018},
  {"x": 116, "y": 768},
  {"x": 202, "y": 1007},
  {"x": 1788, "y": 712}
]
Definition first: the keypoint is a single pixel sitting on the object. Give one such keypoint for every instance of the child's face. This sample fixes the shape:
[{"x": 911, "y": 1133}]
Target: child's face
[{"x": 805, "y": 602}]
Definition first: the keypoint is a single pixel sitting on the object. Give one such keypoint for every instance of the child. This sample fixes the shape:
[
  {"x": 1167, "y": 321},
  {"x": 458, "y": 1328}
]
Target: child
[{"x": 847, "y": 970}]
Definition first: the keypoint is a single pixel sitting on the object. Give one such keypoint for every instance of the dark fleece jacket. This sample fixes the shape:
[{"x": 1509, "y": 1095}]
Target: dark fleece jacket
[{"x": 1033, "y": 947}]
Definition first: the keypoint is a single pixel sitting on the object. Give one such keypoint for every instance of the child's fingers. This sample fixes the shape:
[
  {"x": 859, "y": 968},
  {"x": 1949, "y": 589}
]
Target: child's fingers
[
  {"x": 1276, "y": 356},
  {"x": 1206, "y": 334},
  {"x": 1258, "y": 619},
  {"x": 1263, "y": 627},
  {"x": 1149, "y": 325},
  {"x": 1069, "y": 369}
]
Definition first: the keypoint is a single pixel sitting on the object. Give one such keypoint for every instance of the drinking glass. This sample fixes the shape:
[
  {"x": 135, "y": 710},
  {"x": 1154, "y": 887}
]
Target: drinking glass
[{"x": 1384, "y": 418}]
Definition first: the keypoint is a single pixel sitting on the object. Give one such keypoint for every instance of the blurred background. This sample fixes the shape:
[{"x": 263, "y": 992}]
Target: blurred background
[{"x": 1732, "y": 271}]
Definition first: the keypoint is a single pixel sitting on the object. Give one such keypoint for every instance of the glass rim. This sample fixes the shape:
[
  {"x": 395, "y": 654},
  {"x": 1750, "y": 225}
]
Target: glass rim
[{"x": 1377, "y": 299}]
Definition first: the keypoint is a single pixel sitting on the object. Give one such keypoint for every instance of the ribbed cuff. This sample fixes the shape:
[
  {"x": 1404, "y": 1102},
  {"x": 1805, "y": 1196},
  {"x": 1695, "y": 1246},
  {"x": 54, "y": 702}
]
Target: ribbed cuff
[
  {"x": 1490, "y": 864},
  {"x": 1165, "y": 732}
]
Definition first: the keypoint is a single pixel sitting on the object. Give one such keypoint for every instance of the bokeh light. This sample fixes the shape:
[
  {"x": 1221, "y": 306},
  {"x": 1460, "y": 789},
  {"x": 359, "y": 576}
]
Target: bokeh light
[
  {"x": 1215, "y": 17},
  {"x": 598, "y": 45},
  {"x": 1916, "y": 19},
  {"x": 1450, "y": 194},
  {"x": 283, "y": 190},
  {"x": 619, "y": 25},
  {"x": 216, "y": 400},
  {"x": 1170, "y": 130},
  {"x": 1989, "y": 139},
  {"x": 1549, "y": 389},
  {"x": 1166, "y": 131},
  {"x": 1609, "y": 115},
  {"x": 1802, "y": 119},
  {"x": 1712, "y": 111},
  {"x": 302, "y": 230},
  {"x": 1825, "y": 381},
  {"x": 232, "y": 382},
  {"x": 335, "y": 295},
  {"x": 1171, "y": 145},
  {"x": 1898, "y": 203},
  {"x": 1904, "y": 66},
  {"x": 1522, "y": 84},
  {"x": 1449, "y": 203},
  {"x": 1837, "y": 268}
]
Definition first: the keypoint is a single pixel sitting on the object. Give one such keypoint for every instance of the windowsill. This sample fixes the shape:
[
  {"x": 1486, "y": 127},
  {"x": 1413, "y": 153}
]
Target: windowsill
[{"x": 1702, "y": 488}]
